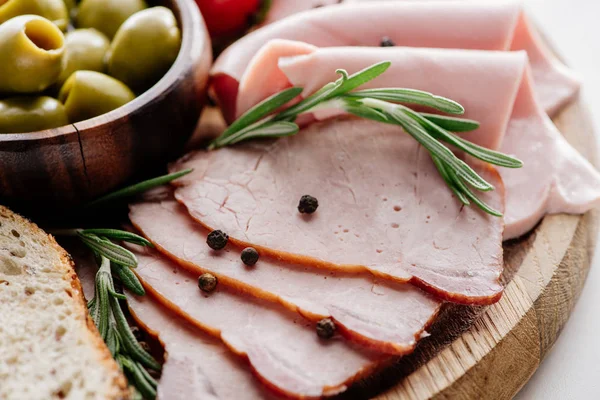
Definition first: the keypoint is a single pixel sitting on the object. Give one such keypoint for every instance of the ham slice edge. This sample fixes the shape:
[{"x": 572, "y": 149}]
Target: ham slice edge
[{"x": 501, "y": 25}]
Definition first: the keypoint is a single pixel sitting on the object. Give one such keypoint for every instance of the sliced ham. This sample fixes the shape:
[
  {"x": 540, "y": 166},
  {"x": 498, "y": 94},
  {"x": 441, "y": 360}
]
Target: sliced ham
[
  {"x": 382, "y": 315},
  {"x": 496, "y": 25},
  {"x": 494, "y": 87},
  {"x": 283, "y": 8},
  {"x": 196, "y": 363},
  {"x": 383, "y": 207},
  {"x": 281, "y": 347}
]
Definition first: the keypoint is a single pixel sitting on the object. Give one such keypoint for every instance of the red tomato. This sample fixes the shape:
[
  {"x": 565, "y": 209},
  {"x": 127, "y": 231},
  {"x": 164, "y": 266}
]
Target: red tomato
[{"x": 227, "y": 17}]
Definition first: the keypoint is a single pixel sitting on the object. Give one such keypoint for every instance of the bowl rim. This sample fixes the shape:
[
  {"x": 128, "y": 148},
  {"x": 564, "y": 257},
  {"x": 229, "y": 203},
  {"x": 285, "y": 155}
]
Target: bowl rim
[{"x": 192, "y": 26}]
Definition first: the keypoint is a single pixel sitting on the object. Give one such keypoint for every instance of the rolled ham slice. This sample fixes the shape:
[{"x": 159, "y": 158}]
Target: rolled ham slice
[
  {"x": 494, "y": 87},
  {"x": 281, "y": 347},
  {"x": 383, "y": 208},
  {"x": 385, "y": 316},
  {"x": 197, "y": 366},
  {"x": 483, "y": 25}
]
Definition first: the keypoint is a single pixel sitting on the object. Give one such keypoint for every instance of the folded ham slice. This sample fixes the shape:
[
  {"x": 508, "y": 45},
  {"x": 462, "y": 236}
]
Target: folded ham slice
[
  {"x": 196, "y": 364},
  {"x": 383, "y": 207},
  {"x": 494, "y": 87},
  {"x": 493, "y": 25},
  {"x": 385, "y": 316},
  {"x": 282, "y": 348}
]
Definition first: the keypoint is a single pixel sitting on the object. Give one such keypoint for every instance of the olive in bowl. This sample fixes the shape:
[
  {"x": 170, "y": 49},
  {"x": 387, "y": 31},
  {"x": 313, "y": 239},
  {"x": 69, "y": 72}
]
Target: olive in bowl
[
  {"x": 55, "y": 11},
  {"x": 31, "y": 54},
  {"x": 66, "y": 166}
]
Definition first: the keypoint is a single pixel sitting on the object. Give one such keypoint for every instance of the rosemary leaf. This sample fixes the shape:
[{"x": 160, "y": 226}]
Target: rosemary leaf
[
  {"x": 102, "y": 316},
  {"x": 432, "y": 145},
  {"x": 130, "y": 343},
  {"x": 108, "y": 249},
  {"x": 467, "y": 192},
  {"x": 435, "y": 148},
  {"x": 117, "y": 295},
  {"x": 262, "y": 109},
  {"x": 446, "y": 177},
  {"x": 112, "y": 340},
  {"x": 311, "y": 101},
  {"x": 128, "y": 279},
  {"x": 479, "y": 152},
  {"x": 138, "y": 188},
  {"x": 149, "y": 378},
  {"x": 490, "y": 156},
  {"x": 452, "y": 124},
  {"x": 359, "y": 78},
  {"x": 411, "y": 96},
  {"x": 116, "y": 234},
  {"x": 272, "y": 130},
  {"x": 365, "y": 112},
  {"x": 146, "y": 389}
]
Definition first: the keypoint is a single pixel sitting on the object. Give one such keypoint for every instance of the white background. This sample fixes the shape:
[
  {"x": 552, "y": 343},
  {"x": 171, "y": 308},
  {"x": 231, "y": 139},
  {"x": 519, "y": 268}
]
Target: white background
[{"x": 572, "y": 368}]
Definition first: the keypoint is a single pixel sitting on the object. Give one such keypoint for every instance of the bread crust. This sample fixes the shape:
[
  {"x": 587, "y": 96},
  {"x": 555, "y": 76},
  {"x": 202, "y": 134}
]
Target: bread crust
[{"x": 120, "y": 385}]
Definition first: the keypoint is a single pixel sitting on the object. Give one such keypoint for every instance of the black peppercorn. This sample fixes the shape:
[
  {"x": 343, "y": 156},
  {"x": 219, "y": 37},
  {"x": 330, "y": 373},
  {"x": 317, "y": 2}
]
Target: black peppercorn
[
  {"x": 308, "y": 204},
  {"x": 326, "y": 328},
  {"x": 249, "y": 256},
  {"x": 387, "y": 42},
  {"x": 207, "y": 282},
  {"x": 217, "y": 240}
]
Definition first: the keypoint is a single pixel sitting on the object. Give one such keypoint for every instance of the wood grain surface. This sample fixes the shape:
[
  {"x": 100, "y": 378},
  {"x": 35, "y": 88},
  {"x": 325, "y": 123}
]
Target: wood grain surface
[{"x": 62, "y": 167}]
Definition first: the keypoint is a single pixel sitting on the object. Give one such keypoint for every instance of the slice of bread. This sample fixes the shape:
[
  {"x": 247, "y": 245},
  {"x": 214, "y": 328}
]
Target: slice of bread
[{"x": 49, "y": 346}]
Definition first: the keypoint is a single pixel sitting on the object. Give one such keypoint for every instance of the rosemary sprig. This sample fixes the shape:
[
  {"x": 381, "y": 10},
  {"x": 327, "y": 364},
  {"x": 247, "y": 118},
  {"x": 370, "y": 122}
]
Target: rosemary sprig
[
  {"x": 112, "y": 325},
  {"x": 386, "y": 105},
  {"x": 138, "y": 188},
  {"x": 104, "y": 307}
]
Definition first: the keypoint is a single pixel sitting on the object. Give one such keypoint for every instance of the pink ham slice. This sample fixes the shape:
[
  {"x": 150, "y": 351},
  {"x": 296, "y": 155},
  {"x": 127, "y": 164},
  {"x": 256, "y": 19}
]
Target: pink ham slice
[
  {"x": 457, "y": 24},
  {"x": 281, "y": 347},
  {"x": 382, "y": 207},
  {"x": 385, "y": 316},
  {"x": 283, "y": 8},
  {"x": 494, "y": 87},
  {"x": 196, "y": 363}
]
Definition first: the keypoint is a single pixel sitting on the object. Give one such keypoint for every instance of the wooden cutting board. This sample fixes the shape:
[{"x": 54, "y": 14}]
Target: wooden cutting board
[{"x": 491, "y": 352}]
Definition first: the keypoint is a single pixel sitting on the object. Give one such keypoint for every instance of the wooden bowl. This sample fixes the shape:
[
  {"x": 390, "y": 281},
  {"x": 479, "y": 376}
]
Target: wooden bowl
[{"x": 66, "y": 166}]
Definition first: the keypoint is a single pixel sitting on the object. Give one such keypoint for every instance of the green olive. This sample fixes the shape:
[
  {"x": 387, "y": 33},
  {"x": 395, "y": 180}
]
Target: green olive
[
  {"x": 71, "y": 4},
  {"x": 107, "y": 15},
  {"x": 31, "y": 54},
  {"x": 84, "y": 50},
  {"x": 53, "y": 10},
  {"x": 144, "y": 48},
  {"x": 87, "y": 94},
  {"x": 29, "y": 114}
]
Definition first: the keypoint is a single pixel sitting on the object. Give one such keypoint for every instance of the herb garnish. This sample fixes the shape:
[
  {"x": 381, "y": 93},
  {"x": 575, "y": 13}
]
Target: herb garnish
[
  {"x": 105, "y": 310},
  {"x": 120, "y": 340},
  {"x": 430, "y": 130}
]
